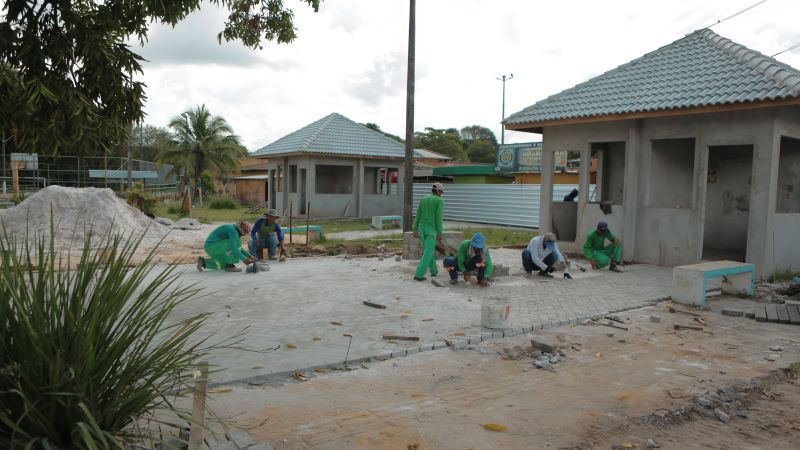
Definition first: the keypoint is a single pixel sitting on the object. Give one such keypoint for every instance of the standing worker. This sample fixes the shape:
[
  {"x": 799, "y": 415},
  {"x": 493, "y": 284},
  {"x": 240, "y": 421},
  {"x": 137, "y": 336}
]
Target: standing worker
[
  {"x": 267, "y": 234},
  {"x": 473, "y": 256},
  {"x": 599, "y": 254},
  {"x": 428, "y": 227},
  {"x": 543, "y": 255},
  {"x": 224, "y": 248}
]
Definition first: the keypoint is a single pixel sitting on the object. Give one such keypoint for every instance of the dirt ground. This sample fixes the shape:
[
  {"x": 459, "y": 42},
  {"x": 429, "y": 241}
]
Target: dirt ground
[{"x": 614, "y": 389}]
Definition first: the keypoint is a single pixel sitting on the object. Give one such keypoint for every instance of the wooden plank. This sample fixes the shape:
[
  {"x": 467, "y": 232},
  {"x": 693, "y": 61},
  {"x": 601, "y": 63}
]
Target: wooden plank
[
  {"x": 760, "y": 312},
  {"x": 783, "y": 316},
  {"x": 794, "y": 314},
  {"x": 393, "y": 337},
  {"x": 199, "y": 408},
  {"x": 374, "y": 305},
  {"x": 772, "y": 313}
]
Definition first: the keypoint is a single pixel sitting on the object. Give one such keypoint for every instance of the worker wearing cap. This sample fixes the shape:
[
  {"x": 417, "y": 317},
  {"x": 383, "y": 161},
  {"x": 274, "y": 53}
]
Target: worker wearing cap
[
  {"x": 267, "y": 234},
  {"x": 224, "y": 248},
  {"x": 599, "y": 254},
  {"x": 542, "y": 254},
  {"x": 428, "y": 227},
  {"x": 473, "y": 256}
]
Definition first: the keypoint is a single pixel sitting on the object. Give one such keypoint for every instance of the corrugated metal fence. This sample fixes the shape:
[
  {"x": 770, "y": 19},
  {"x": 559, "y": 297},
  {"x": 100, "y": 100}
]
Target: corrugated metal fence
[{"x": 501, "y": 204}]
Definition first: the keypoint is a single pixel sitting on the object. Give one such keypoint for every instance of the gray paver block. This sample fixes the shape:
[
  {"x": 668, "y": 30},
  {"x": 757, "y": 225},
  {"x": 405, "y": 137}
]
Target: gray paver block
[
  {"x": 772, "y": 313},
  {"x": 733, "y": 312},
  {"x": 240, "y": 438},
  {"x": 761, "y": 313},
  {"x": 783, "y": 315},
  {"x": 545, "y": 344},
  {"x": 260, "y": 447}
]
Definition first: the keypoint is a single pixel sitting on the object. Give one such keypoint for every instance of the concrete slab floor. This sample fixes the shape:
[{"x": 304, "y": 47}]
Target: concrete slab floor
[
  {"x": 303, "y": 301},
  {"x": 594, "y": 398}
]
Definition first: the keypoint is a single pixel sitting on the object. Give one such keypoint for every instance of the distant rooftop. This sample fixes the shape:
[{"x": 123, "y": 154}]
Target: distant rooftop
[{"x": 699, "y": 70}]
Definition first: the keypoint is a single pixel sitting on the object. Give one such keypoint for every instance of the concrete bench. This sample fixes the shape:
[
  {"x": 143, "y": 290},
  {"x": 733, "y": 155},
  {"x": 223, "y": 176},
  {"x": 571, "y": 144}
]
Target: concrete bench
[
  {"x": 378, "y": 221},
  {"x": 690, "y": 283},
  {"x": 6, "y": 205},
  {"x": 299, "y": 234}
]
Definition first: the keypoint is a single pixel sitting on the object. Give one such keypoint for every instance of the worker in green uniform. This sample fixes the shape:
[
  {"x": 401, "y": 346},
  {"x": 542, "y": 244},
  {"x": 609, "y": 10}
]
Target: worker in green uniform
[
  {"x": 472, "y": 257},
  {"x": 224, "y": 248},
  {"x": 599, "y": 254},
  {"x": 428, "y": 227}
]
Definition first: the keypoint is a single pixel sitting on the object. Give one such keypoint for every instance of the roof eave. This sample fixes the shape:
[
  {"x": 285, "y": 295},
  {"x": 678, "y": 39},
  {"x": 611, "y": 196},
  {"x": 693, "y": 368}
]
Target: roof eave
[
  {"x": 325, "y": 155},
  {"x": 537, "y": 127}
]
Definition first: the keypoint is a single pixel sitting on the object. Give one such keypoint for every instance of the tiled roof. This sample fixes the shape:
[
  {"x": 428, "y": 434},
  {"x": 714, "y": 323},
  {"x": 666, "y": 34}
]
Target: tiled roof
[
  {"x": 335, "y": 134},
  {"x": 701, "y": 69}
]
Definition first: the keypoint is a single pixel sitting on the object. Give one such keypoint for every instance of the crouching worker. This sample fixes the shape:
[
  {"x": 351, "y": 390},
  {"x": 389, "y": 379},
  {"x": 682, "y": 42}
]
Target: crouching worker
[
  {"x": 473, "y": 257},
  {"x": 267, "y": 234},
  {"x": 542, "y": 254},
  {"x": 599, "y": 254},
  {"x": 224, "y": 248}
]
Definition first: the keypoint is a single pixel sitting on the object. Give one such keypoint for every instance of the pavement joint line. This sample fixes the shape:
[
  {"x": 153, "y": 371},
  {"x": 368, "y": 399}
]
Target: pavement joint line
[{"x": 284, "y": 376}]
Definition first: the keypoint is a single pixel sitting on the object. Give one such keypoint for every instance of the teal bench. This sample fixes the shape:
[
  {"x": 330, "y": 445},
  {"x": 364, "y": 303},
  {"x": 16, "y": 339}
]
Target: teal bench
[{"x": 378, "y": 221}]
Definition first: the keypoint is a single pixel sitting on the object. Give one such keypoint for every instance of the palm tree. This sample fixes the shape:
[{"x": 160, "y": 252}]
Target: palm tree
[{"x": 200, "y": 141}]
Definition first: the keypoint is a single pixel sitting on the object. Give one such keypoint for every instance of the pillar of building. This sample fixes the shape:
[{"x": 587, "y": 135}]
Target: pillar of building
[
  {"x": 630, "y": 194},
  {"x": 546, "y": 191}
]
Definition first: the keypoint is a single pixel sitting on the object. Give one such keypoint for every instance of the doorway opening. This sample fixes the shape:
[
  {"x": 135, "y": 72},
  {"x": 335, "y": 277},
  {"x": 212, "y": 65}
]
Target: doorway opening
[
  {"x": 728, "y": 182},
  {"x": 302, "y": 191}
]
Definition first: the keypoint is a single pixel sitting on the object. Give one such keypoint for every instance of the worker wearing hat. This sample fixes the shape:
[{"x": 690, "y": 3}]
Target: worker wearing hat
[
  {"x": 542, "y": 254},
  {"x": 472, "y": 257},
  {"x": 599, "y": 254},
  {"x": 267, "y": 234},
  {"x": 428, "y": 227},
  {"x": 224, "y": 248}
]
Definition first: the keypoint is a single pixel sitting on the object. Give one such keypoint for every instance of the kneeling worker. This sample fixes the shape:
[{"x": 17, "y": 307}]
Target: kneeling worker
[
  {"x": 267, "y": 234},
  {"x": 542, "y": 254},
  {"x": 599, "y": 254},
  {"x": 224, "y": 247},
  {"x": 473, "y": 256}
]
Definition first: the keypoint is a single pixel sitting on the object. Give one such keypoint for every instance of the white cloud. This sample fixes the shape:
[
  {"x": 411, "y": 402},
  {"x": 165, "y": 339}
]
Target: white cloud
[{"x": 351, "y": 58}]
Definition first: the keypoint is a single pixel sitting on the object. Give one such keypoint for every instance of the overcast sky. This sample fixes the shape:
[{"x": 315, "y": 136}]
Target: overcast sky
[{"x": 350, "y": 58}]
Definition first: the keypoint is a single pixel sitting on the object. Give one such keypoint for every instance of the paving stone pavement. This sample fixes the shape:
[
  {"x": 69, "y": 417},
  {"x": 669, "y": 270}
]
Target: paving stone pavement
[{"x": 301, "y": 302}]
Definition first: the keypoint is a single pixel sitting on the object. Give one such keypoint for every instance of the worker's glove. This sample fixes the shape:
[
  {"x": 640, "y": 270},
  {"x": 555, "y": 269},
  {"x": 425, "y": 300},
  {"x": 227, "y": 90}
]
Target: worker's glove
[
  {"x": 480, "y": 264},
  {"x": 567, "y": 276}
]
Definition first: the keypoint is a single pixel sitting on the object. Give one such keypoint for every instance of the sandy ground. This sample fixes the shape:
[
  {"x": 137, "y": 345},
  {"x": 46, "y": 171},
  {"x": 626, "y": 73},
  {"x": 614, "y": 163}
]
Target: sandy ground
[{"x": 615, "y": 389}]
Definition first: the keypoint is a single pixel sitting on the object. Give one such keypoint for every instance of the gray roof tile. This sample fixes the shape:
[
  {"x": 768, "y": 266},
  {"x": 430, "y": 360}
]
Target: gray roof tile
[{"x": 701, "y": 69}]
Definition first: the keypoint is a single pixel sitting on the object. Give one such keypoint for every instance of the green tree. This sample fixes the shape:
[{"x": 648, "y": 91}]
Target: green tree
[
  {"x": 199, "y": 142},
  {"x": 444, "y": 141},
  {"x": 474, "y": 133},
  {"x": 482, "y": 152},
  {"x": 67, "y": 76},
  {"x": 374, "y": 126}
]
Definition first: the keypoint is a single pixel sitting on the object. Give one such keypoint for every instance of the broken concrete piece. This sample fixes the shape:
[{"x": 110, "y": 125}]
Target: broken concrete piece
[
  {"x": 398, "y": 258},
  {"x": 702, "y": 401},
  {"x": 722, "y": 416},
  {"x": 776, "y": 348},
  {"x": 164, "y": 221},
  {"x": 186, "y": 224},
  {"x": 655, "y": 319},
  {"x": 771, "y": 357},
  {"x": 436, "y": 282},
  {"x": 732, "y": 312},
  {"x": 651, "y": 444},
  {"x": 545, "y": 344}
]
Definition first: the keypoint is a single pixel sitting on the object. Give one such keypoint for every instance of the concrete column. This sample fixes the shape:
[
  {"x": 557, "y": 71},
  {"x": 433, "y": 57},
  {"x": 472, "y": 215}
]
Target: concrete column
[
  {"x": 546, "y": 191},
  {"x": 584, "y": 174},
  {"x": 285, "y": 185},
  {"x": 311, "y": 182},
  {"x": 360, "y": 188},
  {"x": 699, "y": 201},
  {"x": 763, "y": 196},
  {"x": 600, "y": 176},
  {"x": 630, "y": 195}
]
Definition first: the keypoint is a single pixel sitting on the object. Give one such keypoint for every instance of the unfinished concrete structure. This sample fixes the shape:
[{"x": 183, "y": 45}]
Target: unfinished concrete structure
[
  {"x": 340, "y": 167},
  {"x": 698, "y": 149}
]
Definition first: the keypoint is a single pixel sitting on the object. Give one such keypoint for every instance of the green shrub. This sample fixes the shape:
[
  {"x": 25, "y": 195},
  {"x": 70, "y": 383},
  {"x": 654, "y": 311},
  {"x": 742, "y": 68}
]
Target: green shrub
[
  {"x": 139, "y": 198},
  {"x": 175, "y": 210},
  {"x": 89, "y": 355},
  {"x": 222, "y": 203}
]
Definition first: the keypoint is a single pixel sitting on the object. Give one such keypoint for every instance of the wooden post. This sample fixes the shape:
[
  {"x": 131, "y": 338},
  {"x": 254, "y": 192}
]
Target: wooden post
[
  {"x": 15, "y": 166},
  {"x": 290, "y": 222},
  {"x": 197, "y": 432},
  {"x": 308, "y": 215}
]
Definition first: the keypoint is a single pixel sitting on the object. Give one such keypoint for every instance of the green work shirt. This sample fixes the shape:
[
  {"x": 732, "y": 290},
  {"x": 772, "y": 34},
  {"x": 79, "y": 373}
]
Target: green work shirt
[
  {"x": 461, "y": 257},
  {"x": 596, "y": 241},
  {"x": 429, "y": 212},
  {"x": 230, "y": 234}
]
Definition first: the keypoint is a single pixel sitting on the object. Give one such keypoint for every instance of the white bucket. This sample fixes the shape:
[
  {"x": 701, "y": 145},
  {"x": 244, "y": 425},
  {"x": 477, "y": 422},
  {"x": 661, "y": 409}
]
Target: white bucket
[{"x": 496, "y": 312}]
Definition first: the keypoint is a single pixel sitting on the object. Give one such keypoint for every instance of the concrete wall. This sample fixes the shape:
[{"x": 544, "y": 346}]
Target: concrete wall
[
  {"x": 786, "y": 244},
  {"x": 674, "y": 234},
  {"x": 357, "y": 203},
  {"x": 671, "y": 180},
  {"x": 565, "y": 220},
  {"x": 789, "y": 176},
  {"x": 728, "y": 198}
]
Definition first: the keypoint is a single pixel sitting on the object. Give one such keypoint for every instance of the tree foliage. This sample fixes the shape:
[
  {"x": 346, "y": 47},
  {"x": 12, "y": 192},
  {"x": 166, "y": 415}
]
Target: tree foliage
[
  {"x": 474, "y": 133},
  {"x": 67, "y": 75},
  {"x": 482, "y": 152},
  {"x": 444, "y": 141},
  {"x": 199, "y": 142},
  {"x": 376, "y": 127}
]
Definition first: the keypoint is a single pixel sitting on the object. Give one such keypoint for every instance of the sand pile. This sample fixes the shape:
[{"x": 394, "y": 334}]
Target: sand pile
[{"x": 74, "y": 212}]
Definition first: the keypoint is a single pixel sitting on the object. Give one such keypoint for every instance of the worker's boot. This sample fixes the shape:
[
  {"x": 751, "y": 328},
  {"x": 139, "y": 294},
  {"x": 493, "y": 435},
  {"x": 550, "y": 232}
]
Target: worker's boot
[
  {"x": 528, "y": 274},
  {"x": 420, "y": 278},
  {"x": 201, "y": 264},
  {"x": 613, "y": 267},
  {"x": 567, "y": 276},
  {"x": 232, "y": 268},
  {"x": 545, "y": 274},
  {"x": 453, "y": 281}
]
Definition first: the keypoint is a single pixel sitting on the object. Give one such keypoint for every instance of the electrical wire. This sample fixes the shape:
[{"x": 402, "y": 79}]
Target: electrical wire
[
  {"x": 738, "y": 13},
  {"x": 787, "y": 50}
]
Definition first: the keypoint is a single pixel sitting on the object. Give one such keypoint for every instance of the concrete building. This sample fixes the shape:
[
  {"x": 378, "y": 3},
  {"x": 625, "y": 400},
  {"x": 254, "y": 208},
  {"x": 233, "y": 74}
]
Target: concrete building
[
  {"x": 698, "y": 149},
  {"x": 338, "y": 168}
]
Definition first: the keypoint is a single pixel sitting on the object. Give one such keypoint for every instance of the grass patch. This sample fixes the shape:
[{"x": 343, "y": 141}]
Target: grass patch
[
  {"x": 794, "y": 368},
  {"x": 222, "y": 203},
  {"x": 497, "y": 237},
  {"x": 340, "y": 225},
  {"x": 365, "y": 245},
  {"x": 172, "y": 210},
  {"x": 783, "y": 275}
]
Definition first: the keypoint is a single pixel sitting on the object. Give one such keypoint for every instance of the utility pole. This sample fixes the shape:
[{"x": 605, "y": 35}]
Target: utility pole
[
  {"x": 130, "y": 175},
  {"x": 503, "y": 114},
  {"x": 4, "y": 158},
  {"x": 408, "y": 176}
]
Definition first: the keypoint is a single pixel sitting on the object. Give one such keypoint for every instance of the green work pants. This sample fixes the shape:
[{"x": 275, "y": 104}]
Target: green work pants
[
  {"x": 608, "y": 254},
  {"x": 427, "y": 236},
  {"x": 220, "y": 255}
]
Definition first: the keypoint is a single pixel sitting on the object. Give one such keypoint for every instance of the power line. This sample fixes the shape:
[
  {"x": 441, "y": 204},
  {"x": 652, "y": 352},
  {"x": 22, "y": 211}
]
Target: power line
[
  {"x": 738, "y": 13},
  {"x": 786, "y": 50}
]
